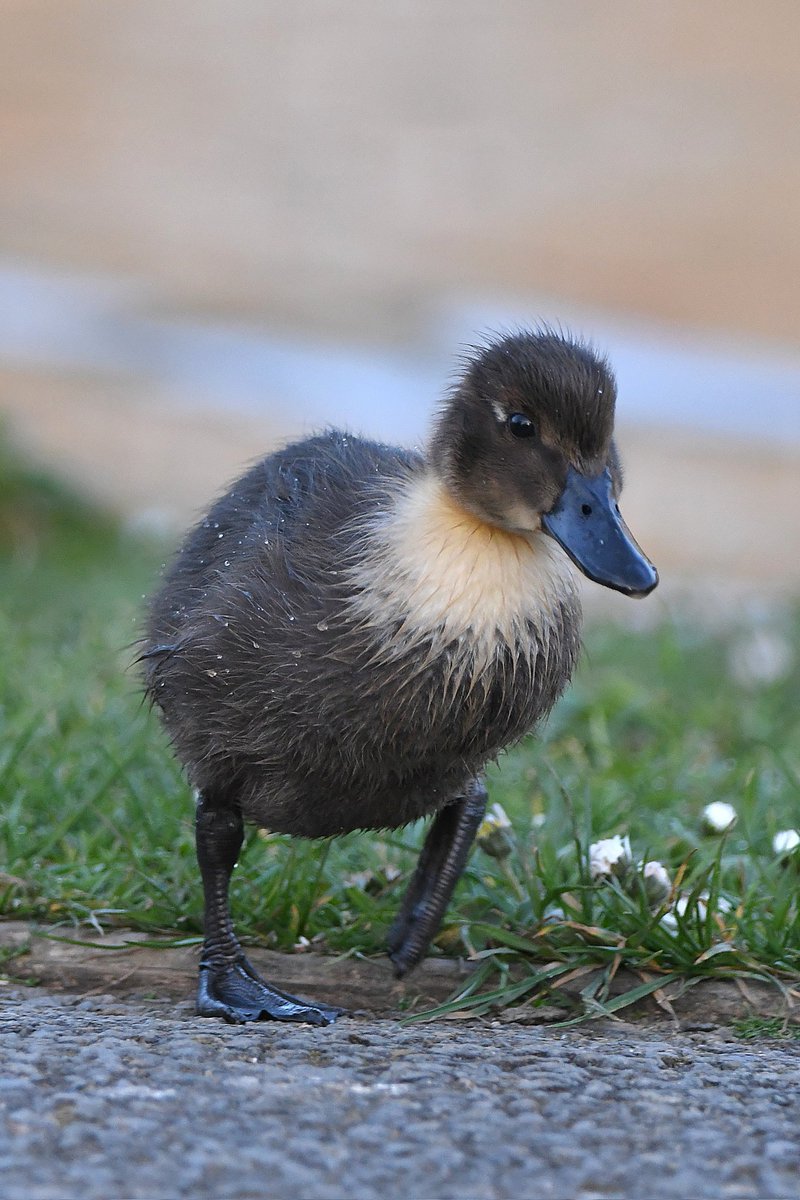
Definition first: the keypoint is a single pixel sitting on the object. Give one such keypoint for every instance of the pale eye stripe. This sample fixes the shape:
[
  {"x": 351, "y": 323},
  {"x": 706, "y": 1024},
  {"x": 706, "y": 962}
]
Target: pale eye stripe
[{"x": 499, "y": 411}]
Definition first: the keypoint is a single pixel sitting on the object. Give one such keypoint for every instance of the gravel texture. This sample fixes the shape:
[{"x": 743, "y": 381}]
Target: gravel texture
[{"x": 107, "y": 1100}]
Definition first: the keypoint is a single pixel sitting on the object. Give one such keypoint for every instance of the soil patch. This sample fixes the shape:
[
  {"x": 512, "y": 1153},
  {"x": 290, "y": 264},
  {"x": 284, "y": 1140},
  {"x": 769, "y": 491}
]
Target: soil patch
[{"x": 126, "y": 963}]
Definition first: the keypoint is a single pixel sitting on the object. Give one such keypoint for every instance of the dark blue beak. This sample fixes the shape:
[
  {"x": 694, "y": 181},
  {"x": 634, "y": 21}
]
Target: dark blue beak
[{"x": 586, "y": 522}]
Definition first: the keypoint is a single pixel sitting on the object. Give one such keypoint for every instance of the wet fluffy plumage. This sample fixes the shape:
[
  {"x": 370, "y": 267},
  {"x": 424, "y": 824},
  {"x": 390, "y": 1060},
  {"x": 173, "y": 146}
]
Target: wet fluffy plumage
[
  {"x": 355, "y": 630},
  {"x": 288, "y": 677}
]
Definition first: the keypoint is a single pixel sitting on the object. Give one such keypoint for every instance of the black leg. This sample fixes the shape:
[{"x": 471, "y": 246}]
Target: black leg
[
  {"x": 441, "y": 862},
  {"x": 229, "y": 987}
]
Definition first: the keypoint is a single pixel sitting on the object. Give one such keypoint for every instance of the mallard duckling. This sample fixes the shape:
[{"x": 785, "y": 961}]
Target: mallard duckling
[{"x": 355, "y": 630}]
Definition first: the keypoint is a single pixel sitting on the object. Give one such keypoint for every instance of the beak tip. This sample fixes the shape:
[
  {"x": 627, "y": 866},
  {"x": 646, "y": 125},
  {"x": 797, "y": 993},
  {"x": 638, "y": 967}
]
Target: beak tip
[
  {"x": 587, "y": 524},
  {"x": 635, "y": 584},
  {"x": 649, "y": 584}
]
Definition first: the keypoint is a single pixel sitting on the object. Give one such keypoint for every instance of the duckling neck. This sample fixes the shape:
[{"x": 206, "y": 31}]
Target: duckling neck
[{"x": 435, "y": 567}]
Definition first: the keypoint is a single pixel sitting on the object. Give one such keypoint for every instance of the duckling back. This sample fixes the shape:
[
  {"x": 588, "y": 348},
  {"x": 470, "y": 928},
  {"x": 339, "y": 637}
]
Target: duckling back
[{"x": 344, "y": 647}]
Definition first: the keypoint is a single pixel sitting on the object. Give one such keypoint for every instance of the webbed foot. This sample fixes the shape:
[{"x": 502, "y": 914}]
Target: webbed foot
[{"x": 235, "y": 992}]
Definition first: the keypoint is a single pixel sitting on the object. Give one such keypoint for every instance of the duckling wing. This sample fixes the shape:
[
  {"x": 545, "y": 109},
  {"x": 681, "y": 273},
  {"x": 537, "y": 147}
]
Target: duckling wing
[
  {"x": 247, "y": 613},
  {"x": 286, "y": 520}
]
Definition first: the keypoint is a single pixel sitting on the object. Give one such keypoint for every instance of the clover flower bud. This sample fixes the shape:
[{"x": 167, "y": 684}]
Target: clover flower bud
[
  {"x": 785, "y": 841},
  {"x": 495, "y": 836},
  {"x": 657, "y": 883},
  {"x": 718, "y": 817},
  {"x": 610, "y": 857}
]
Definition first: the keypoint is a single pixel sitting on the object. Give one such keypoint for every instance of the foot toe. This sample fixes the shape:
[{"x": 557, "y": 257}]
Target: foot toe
[{"x": 237, "y": 994}]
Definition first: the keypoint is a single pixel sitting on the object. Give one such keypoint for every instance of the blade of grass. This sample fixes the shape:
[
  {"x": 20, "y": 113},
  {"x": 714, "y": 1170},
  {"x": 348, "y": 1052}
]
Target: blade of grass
[{"x": 616, "y": 1005}]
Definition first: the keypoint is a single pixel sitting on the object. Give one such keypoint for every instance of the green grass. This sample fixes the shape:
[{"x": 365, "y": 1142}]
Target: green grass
[
  {"x": 753, "y": 1028},
  {"x": 96, "y": 821}
]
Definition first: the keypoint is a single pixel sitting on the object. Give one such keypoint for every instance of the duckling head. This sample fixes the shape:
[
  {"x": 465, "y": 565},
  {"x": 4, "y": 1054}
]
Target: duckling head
[{"x": 525, "y": 442}]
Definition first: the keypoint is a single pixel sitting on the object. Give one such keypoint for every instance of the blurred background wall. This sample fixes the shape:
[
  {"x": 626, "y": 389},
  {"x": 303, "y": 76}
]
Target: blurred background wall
[{"x": 225, "y": 221}]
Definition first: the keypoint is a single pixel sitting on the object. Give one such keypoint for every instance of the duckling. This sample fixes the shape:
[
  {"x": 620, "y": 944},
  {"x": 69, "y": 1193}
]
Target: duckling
[{"x": 355, "y": 630}]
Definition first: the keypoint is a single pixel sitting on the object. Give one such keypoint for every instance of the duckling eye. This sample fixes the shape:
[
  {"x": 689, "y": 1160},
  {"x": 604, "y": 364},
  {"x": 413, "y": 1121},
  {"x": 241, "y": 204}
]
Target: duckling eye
[{"x": 521, "y": 426}]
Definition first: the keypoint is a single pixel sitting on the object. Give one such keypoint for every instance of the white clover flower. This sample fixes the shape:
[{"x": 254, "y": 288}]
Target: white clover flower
[
  {"x": 373, "y": 881},
  {"x": 610, "y": 856},
  {"x": 785, "y": 841},
  {"x": 657, "y": 883},
  {"x": 670, "y": 919},
  {"x": 494, "y": 833},
  {"x": 359, "y": 879},
  {"x": 497, "y": 817},
  {"x": 682, "y": 904},
  {"x": 718, "y": 817}
]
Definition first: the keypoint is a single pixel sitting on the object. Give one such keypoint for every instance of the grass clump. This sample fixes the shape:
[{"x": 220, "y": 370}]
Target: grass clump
[
  {"x": 753, "y": 1028},
  {"x": 96, "y": 821}
]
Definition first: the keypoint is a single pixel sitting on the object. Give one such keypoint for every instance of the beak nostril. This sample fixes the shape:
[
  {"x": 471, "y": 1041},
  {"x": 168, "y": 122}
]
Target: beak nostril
[{"x": 586, "y": 509}]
